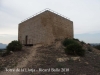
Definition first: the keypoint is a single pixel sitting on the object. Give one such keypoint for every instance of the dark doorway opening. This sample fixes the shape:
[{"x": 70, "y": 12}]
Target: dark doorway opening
[{"x": 26, "y": 39}]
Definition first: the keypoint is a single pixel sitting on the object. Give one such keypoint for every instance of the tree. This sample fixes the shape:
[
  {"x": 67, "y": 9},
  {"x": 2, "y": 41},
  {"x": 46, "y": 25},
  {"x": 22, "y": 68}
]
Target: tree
[{"x": 14, "y": 46}]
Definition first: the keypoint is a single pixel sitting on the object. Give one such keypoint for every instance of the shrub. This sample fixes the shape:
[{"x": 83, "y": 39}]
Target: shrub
[
  {"x": 14, "y": 46},
  {"x": 5, "y": 53},
  {"x": 97, "y": 47},
  {"x": 75, "y": 49},
  {"x": 67, "y": 42},
  {"x": 0, "y": 53},
  {"x": 60, "y": 65},
  {"x": 88, "y": 44},
  {"x": 89, "y": 49},
  {"x": 82, "y": 42},
  {"x": 75, "y": 39}
]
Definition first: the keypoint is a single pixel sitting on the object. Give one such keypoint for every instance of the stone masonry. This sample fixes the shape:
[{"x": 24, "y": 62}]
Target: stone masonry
[{"x": 44, "y": 28}]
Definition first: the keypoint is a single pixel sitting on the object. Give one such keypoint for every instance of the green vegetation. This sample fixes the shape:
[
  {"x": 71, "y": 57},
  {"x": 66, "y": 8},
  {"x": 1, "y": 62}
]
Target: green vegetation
[
  {"x": 67, "y": 42},
  {"x": 89, "y": 49},
  {"x": 13, "y": 46},
  {"x": 82, "y": 42},
  {"x": 2, "y": 52},
  {"x": 73, "y": 47},
  {"x": 97, "y": 47},
  {"x": 60, "y": 65},
  {"x": 75, "y": 39}
]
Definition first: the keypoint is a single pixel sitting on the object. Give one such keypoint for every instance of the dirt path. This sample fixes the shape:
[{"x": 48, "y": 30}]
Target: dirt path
[{"x": 23, "y": 63}]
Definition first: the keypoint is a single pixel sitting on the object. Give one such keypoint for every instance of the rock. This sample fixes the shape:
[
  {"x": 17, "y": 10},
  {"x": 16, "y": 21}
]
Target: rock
[
  {"x": 79, "y": 60},
  {"x": 75, "y": 58},
  {"x": 11, "y": 52},
  {"x": 86, "y": 63},
  {"x": 62, "y": 59}
]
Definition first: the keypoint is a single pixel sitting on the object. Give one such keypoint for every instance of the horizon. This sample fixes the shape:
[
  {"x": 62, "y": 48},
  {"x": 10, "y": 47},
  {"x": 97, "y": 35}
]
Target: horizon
[{"x": 84, "y": 14}]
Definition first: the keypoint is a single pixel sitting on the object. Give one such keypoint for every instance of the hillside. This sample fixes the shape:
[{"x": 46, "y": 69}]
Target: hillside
[
  {"x": 2, "y": 46},
  {"x": 53, "y": 60}
]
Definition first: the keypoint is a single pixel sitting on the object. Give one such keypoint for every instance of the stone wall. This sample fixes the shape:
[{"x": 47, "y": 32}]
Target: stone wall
[{"x": 45, "y": 28}]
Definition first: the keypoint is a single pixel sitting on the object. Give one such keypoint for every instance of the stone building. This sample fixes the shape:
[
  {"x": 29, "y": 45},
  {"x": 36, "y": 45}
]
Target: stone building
[{"x": 44, "y": 28}]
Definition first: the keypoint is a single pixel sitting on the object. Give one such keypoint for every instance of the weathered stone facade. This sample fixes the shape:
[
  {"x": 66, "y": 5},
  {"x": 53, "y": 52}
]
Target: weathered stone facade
[{"x": 44, "y": 28}]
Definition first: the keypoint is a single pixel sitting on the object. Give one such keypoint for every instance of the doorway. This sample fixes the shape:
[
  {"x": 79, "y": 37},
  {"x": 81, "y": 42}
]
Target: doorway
[{"x": 26, "y": 39}]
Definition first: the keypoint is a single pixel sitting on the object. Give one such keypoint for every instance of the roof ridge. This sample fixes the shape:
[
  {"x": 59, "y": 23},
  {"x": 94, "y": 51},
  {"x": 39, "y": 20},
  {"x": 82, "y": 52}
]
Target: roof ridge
[{"x": 47, "y": 9}]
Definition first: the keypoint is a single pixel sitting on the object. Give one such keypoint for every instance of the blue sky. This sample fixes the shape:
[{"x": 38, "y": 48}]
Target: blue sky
[{"x": 85, "y": 15}]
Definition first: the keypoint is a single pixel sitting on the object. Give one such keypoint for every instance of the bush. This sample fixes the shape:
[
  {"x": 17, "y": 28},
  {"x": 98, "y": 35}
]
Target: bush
[
  {"x": 97, "y": 47},
  {"x": 89, "y": 49},
  {"x": 89, "y": 44},
  {"x": 14, "y": 46},
  {"x": 82, "y": 42},
  {"x": 67, "y": 42},
  {"x": 75, "y": 39},
  {"x": 75, "y": 49},
  {"x": 5, "y": 53}
]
